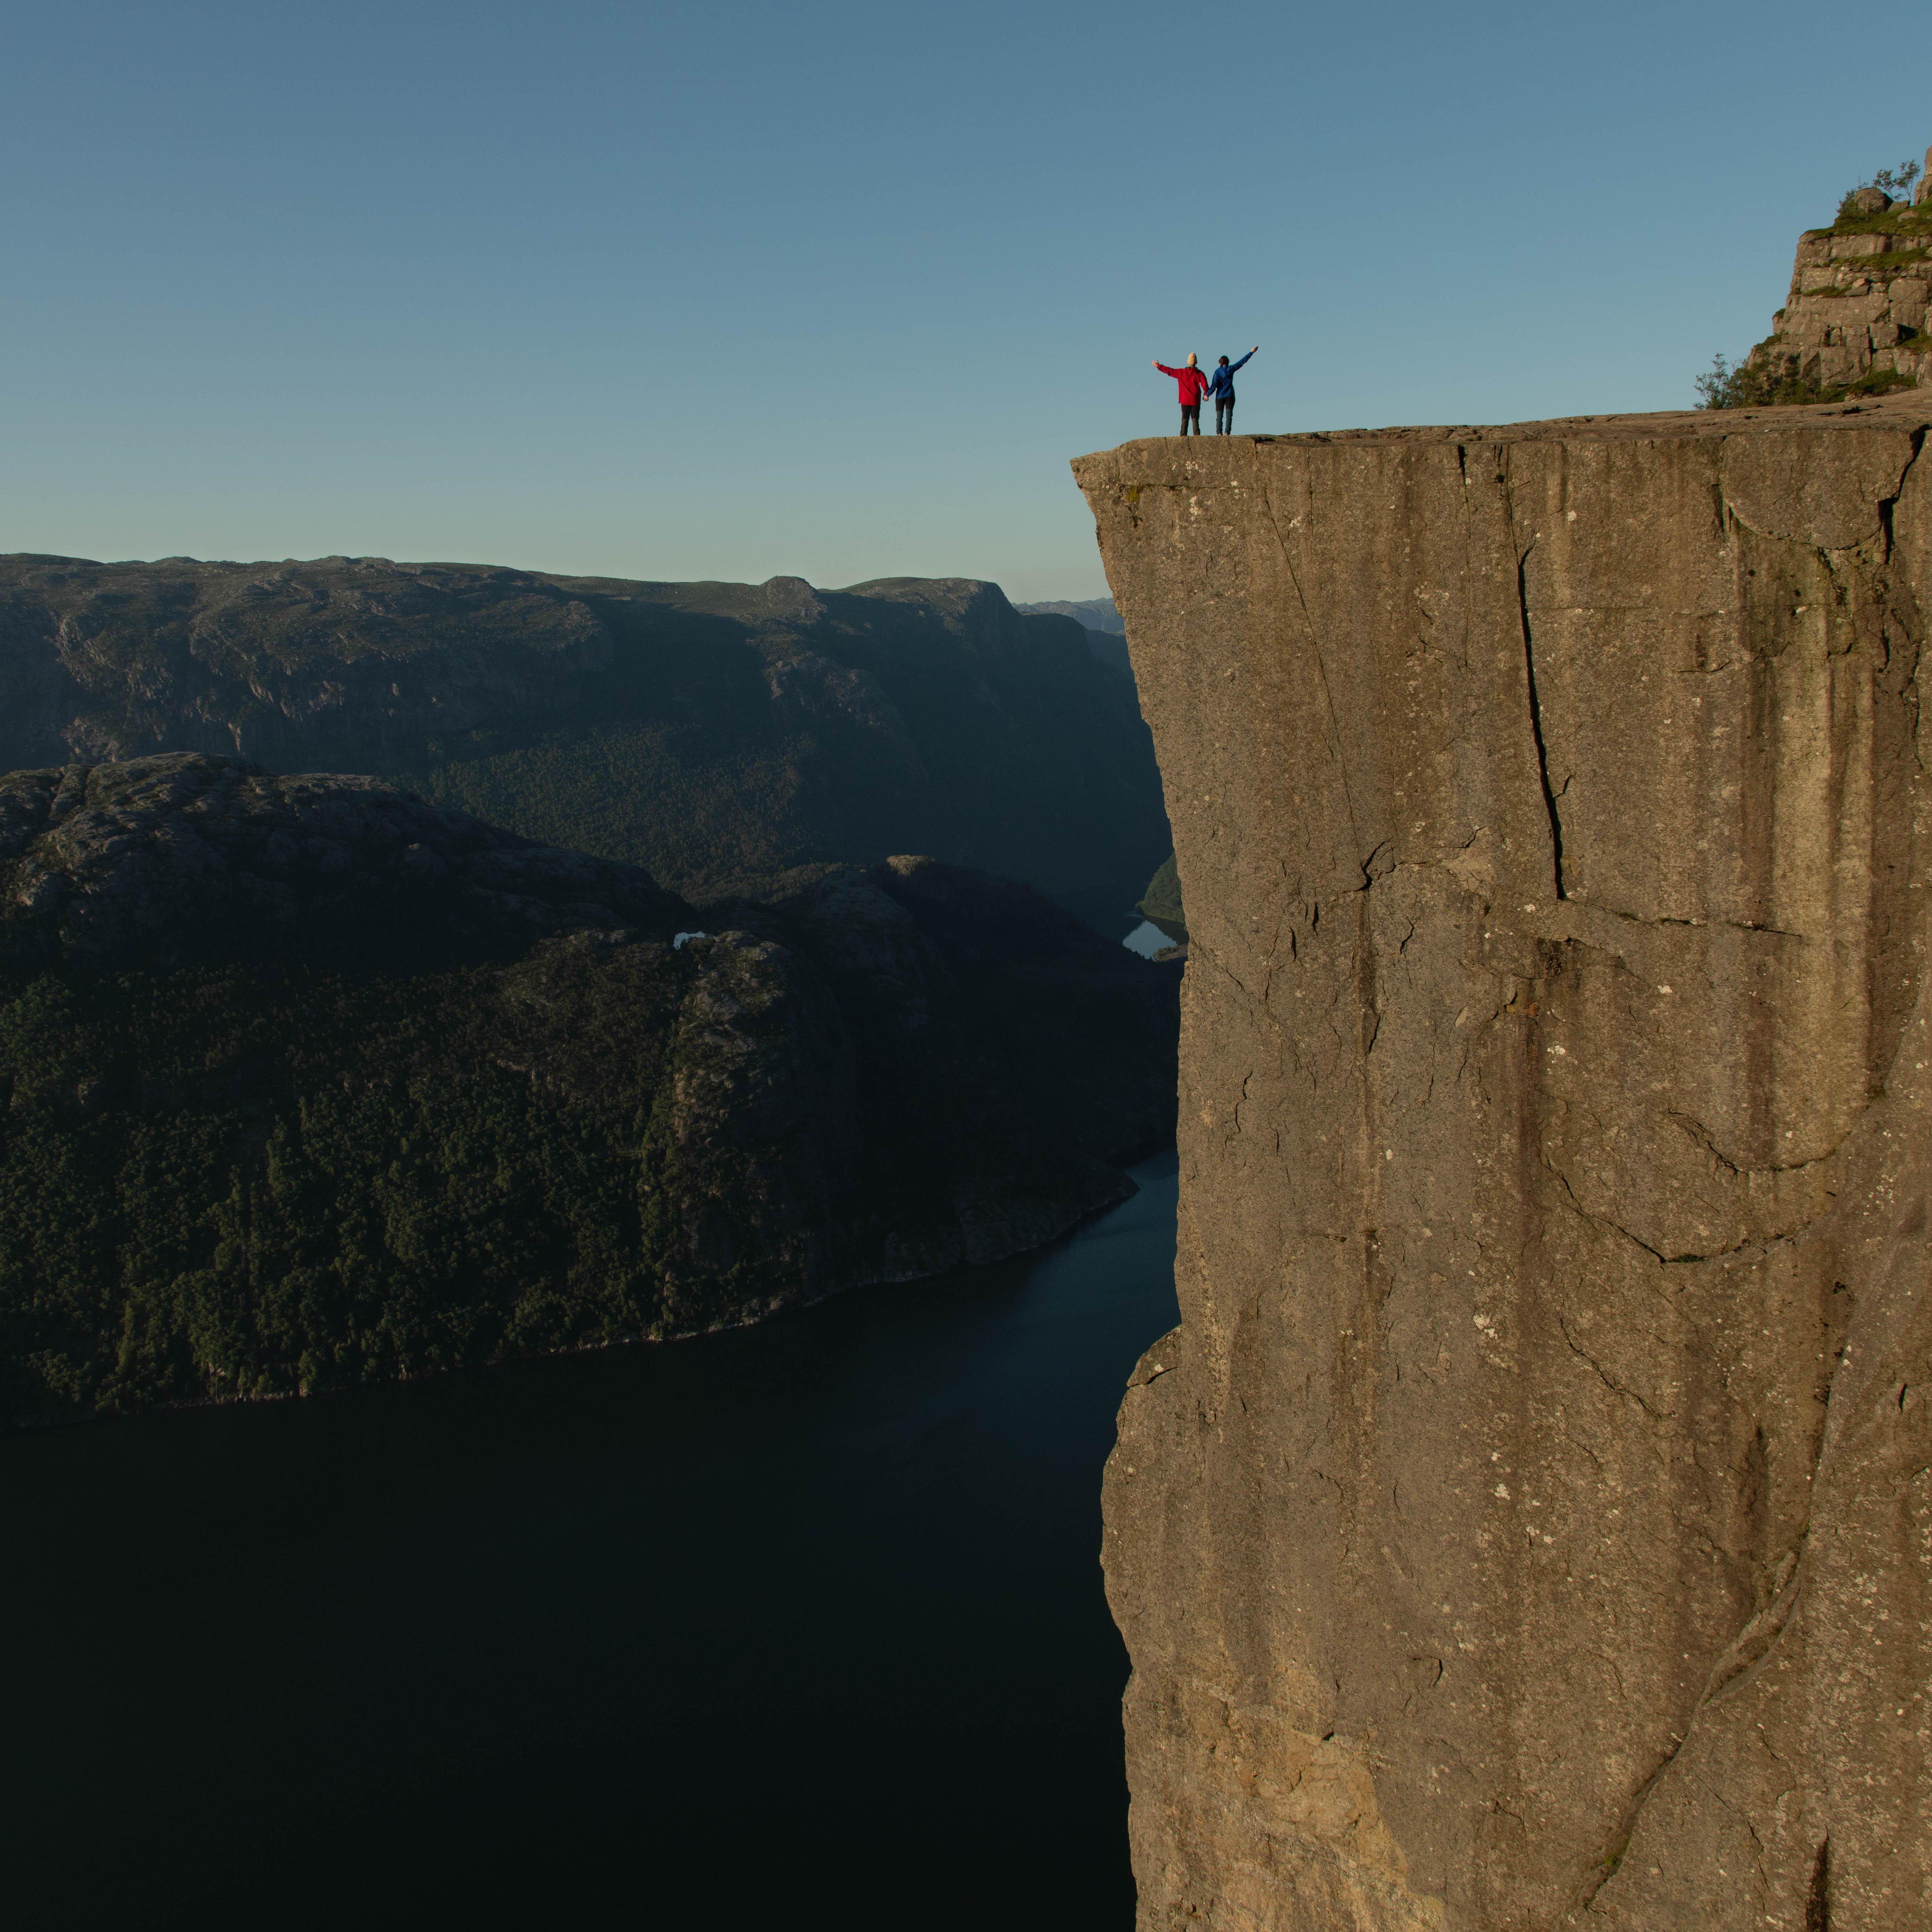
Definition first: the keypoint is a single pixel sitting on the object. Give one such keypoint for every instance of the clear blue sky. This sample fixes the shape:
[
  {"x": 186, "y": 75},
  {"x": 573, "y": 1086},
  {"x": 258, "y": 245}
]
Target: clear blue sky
[{"x": 835, "y": 290}]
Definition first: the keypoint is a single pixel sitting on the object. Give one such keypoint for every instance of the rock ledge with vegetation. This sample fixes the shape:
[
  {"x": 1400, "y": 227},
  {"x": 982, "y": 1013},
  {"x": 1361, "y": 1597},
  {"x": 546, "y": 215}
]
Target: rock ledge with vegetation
[{"x": 1855, "y": 322}]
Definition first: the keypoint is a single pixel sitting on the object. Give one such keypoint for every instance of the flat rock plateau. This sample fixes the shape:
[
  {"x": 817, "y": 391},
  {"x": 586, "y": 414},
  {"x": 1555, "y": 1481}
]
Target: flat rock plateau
[{"x": 1530, "y": 1523}]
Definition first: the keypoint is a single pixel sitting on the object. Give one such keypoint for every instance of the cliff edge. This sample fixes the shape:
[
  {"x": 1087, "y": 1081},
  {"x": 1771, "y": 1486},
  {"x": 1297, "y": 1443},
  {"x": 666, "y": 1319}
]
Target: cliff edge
[{"x": 1530, "y": 1523}]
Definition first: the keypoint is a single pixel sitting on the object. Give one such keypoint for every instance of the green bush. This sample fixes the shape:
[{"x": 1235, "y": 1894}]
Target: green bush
[
  {"x": 1775, "y": 377},
  {"x": 1896, "y": 182}
]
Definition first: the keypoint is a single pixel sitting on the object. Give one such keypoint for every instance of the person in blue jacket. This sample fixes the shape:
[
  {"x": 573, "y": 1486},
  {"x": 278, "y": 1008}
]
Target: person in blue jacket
[{"x": 1221, "y": 387}]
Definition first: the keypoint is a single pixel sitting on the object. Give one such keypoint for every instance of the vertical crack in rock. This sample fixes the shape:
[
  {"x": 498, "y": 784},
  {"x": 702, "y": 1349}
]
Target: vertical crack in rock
[
  {"x": 1888, "y": 505},
  {"x": 1606, "y": 1867},
  {"x": 1536, "y": 722},
  {"x": 1747, "y": 1655}
]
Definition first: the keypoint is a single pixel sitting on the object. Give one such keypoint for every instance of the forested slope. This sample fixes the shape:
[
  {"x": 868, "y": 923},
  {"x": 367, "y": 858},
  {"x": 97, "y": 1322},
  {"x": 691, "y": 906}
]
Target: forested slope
[{"x": 304, "y": 1081}]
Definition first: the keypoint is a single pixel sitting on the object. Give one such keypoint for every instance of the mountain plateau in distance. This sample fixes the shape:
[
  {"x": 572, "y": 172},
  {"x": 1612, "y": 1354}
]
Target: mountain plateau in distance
[{"x": 718, "y": 734}]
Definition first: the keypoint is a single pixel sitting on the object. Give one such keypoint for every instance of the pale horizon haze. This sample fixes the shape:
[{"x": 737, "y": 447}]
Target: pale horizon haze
[{"x": 834, "y": 291}]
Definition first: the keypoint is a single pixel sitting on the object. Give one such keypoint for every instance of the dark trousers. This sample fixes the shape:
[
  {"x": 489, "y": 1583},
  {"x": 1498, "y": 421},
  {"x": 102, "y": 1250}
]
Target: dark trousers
[
  {"x": 1190, "y": 413},
  {"x": 1224, "y": 415}
]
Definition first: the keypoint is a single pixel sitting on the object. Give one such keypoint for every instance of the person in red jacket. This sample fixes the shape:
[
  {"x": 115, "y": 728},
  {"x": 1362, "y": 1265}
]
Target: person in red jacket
[{"x": 1193, "y": 387}]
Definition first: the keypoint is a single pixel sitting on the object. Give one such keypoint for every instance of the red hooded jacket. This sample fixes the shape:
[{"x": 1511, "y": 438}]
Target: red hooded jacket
[{"x": 1193, "y": 383}]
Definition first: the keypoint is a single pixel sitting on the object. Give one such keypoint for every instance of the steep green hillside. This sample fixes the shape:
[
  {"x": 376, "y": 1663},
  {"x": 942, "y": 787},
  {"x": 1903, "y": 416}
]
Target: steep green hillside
[
  {"x": 718, "y": 734},
  {"x": 304, "y": 1082}
]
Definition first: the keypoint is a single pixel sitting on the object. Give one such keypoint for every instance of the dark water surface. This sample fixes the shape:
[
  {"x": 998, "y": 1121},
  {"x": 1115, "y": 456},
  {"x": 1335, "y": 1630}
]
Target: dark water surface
[{"x": 804, "y": 1621}]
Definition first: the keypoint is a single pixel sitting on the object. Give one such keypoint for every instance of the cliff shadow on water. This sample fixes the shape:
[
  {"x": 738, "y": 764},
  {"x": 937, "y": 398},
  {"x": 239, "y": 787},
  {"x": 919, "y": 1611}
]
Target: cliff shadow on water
[{"x": 1529, "y": 1524}]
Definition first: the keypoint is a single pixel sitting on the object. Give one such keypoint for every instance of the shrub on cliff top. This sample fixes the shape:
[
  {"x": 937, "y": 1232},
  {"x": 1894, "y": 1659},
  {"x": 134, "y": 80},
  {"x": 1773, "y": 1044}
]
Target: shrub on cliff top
[
  {"x": 1775, "y": 378},
  {"x": 1888, "y": 181},
  {"x": 1747, "y": 385}
]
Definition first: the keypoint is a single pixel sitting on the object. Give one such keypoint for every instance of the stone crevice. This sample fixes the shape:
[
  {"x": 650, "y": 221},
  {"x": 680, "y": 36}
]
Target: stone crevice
[
  {"x": 1550, "y": 795},
  {"x": 1602, "y": 1375},
  {"x": 1695, "y": 1131}
]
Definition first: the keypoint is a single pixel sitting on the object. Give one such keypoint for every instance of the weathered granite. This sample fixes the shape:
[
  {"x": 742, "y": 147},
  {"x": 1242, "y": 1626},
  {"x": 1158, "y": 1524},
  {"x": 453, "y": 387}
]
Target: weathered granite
[
  {"x": 1530, "y": 1523},
  {"x": 1857, "y": 307}
]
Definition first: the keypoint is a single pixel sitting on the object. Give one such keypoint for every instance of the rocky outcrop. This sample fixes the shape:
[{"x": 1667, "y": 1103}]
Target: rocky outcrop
[
  {"x": 1530, "y": 1523},
  {"x": 717, "y": 734},
  {"x": 304, "y": 1082},
  {"x": 1856, "y": 313}
]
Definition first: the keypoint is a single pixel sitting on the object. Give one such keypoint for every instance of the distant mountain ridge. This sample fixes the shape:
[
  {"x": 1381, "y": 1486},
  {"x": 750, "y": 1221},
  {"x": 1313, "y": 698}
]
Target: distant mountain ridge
[
  {"x": 1092, "y": 614},
  {"x": 1106, "y": 629},
  {"x": 718, "y": 734}
]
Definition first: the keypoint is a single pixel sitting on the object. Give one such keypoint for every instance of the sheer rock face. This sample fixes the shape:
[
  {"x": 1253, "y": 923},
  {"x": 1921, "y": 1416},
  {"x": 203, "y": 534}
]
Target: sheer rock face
[{"x": 1530, "y": 1524}]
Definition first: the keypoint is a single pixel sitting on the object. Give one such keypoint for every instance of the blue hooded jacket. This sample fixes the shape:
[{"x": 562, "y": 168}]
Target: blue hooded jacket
[{"x": 1221, "y": 382}]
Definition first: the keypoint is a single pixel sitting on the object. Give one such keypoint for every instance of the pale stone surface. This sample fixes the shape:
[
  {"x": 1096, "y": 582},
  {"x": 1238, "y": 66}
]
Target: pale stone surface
[{"x": 1530, "y": 1524}]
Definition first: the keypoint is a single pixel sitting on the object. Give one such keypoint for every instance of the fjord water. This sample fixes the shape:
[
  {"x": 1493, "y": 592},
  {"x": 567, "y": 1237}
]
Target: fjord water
[{"x": 801, "y": 1620}]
